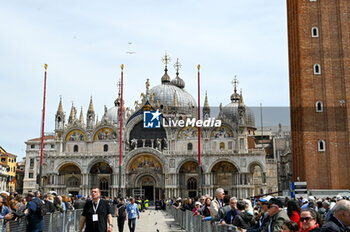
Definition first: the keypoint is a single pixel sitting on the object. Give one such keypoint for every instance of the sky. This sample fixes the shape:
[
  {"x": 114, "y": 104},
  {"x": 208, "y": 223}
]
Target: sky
[{"x": 85, "y": 42}]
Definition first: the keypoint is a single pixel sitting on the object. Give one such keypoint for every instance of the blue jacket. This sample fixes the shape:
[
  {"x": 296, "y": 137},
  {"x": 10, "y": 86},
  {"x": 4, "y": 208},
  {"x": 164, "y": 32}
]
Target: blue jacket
[
  {"x": 5, "y": 210},
  {"x": 132, "y": 210},
  {"x": 35, "y": 220},
  {"x": 230, "y": 216}
]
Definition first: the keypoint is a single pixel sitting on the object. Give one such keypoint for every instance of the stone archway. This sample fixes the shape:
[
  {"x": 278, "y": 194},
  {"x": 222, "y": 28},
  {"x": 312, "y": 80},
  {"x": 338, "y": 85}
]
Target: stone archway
[
  {"x": 145, "y": 176},
  {"x": 147, "y": 184},
  {"x": 100, "y": 176},
  {"x": 66, "y": 173},
  {"x": 188, "y": 178},
  {"x": 225, "y": 175},
  {"x": 257, "y": 179}
]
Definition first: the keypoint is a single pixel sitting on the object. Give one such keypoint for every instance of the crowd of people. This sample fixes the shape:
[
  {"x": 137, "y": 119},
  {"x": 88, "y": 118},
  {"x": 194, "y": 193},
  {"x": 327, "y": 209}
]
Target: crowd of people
[
  {"x": 266, "y": 214},
  {"x": 270, "y": 214},
  {"x": 96, "y": 211}
]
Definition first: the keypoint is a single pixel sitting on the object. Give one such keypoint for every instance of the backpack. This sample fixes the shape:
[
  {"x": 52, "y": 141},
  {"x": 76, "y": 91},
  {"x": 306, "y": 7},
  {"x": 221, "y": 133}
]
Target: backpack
[{"x": 41, "y": 208}]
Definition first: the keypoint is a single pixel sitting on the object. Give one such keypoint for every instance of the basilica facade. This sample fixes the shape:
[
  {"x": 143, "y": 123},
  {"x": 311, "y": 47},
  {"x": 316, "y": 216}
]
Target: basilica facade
[{"x": 156, "y": 162}]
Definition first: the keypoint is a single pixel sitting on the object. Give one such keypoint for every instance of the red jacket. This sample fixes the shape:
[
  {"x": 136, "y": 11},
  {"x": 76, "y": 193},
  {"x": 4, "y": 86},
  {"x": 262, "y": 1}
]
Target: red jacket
[{"x": 296, "y": 218}]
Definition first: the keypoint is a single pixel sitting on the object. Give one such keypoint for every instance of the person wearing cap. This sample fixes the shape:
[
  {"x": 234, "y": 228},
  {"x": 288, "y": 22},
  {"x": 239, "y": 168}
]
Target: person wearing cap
[
  {"x": 80, "y": 203},
  {"x": 264, "y": 216},
  {"x": 197, "y": 206},
  {"x": 340, "y": 219},
  {"x": 277, "y": 215}
]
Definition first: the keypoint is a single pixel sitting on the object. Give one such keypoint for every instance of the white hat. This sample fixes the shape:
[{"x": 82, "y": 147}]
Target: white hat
[
  {"x": 267, "y": 198},
  {"x": 311, "y": 198},
  {"x": 197, "y": 203},
  {"x": 7, "y": 193},
  {"x": 338, "y": 197}
]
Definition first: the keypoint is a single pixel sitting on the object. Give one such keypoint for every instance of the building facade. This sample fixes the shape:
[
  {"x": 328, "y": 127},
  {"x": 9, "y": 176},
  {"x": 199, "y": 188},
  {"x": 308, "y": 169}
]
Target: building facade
[
  {"x": 20, "y": 176},
  {"x": 8, "y": 161},
  {"x": 159, "y": 162},
  {"x": 319, "y": 47}
]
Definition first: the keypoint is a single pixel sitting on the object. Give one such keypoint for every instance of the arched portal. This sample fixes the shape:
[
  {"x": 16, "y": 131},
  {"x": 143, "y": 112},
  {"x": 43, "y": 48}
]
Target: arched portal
[
  {"x": 101, "y": 176},
  {"x": 188, "y": 178},
  {"x": 147, "y": 183},
  {"x": 145, "y": 176},
  {"x": 225, "y": 175},
  {"x": 257, "y": 179},
  {"x": 66, "y": 174}
]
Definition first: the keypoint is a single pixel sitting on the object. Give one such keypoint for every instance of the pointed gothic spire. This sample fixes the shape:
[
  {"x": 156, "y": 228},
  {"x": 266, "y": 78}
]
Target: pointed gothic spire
[
  {"x": 60, "y": 107},
  {"x": 91, "y": 106},
  {"x": 72, "y": 115},
  {"x": 206, "y": 103},
  {"x": 241, "y": 98},
  {"x": 81, "y": 118},
  {"x": 206, "y": 108}
]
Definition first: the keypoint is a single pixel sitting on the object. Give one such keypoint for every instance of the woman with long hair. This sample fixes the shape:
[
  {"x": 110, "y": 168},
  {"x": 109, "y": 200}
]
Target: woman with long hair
[
  {"x": 293, "y": 211},
  {"x": 206, "y": 210},
  {"x": 308, "y": 219}
]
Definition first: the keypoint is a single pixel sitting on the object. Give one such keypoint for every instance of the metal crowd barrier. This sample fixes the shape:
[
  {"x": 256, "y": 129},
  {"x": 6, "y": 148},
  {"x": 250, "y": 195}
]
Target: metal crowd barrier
[
  {"x": 55, "y": 222},
  {"x": 191, "y": 223}
]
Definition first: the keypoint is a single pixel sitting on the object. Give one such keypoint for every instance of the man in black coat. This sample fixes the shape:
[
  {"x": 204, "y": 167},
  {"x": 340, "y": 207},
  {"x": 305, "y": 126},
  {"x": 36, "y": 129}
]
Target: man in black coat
[
  {"x": 79, "y": 203},
  {"x": 340, "y": 218}
]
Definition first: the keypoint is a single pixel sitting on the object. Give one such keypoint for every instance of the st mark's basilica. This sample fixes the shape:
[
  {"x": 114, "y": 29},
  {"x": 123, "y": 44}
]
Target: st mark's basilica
[{"x": 159, "y": 162}]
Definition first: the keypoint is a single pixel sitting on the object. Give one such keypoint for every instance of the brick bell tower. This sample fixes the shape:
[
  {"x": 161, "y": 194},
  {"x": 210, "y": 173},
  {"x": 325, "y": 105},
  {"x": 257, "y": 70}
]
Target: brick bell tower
[{"x": 319, "y": 75}]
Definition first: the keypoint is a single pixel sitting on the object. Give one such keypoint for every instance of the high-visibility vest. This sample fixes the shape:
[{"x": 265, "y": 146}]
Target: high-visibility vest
[
  {"x": 146, "y": 203},
  {"x": 139, "y": 204}
]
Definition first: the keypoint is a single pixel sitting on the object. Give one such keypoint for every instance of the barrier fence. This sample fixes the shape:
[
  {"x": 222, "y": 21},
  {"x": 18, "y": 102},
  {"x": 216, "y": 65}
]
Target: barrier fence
[
  {"x": 192, "y": 223},
  {"x": 55, "y": 222}
]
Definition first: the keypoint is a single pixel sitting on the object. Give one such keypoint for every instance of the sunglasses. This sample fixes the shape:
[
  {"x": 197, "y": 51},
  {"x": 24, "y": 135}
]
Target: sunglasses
[{"x": 305, "y": 219}]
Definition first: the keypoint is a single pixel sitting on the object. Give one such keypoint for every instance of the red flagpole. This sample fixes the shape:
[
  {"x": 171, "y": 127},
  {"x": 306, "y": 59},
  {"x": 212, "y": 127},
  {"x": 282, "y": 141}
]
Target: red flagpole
[
  {"x": 42, "y": 130},
  {"x": 199, "y": 138},
  {"x": 121, "y": 131},
  {"x": 199, "y": 117},
  {"x": 121, "y": 117}
]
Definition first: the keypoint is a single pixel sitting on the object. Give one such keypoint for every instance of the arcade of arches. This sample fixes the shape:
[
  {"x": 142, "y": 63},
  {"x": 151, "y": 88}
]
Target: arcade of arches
[{"x": 145, "y": 176}]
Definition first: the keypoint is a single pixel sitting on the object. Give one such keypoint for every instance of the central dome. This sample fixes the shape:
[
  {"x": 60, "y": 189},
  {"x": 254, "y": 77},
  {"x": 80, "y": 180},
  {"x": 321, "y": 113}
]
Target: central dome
[{"x": 170, "y": 95}]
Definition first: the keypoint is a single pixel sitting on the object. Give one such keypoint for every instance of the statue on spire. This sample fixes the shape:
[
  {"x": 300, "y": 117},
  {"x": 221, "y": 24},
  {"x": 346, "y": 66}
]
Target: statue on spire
[{"x": 147, "y": 87}]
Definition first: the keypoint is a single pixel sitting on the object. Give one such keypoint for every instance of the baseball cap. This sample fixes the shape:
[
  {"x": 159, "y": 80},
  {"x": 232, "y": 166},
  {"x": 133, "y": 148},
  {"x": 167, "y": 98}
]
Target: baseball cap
[
  {"x": 276, "y": 201},
  {"x": 265, "y": 199}
]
